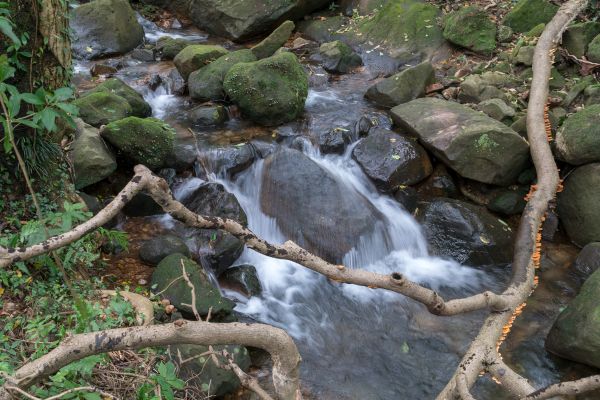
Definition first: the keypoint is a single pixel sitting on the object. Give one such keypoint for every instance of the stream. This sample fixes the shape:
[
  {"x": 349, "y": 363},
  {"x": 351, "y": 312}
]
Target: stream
[{"x": 356, "y": 343}]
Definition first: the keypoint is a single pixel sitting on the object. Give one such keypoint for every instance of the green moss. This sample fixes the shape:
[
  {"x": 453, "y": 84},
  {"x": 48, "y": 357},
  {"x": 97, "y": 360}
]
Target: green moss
[
  {"x": 147, "y": 141},
  {"x": 196, "y": 56},
  {"x": 527, "y": 14},
  {"x": 169, "y": 47},
  {"x": 471, "y": 28},
  {"x": 116, "y": 86},
  {"x": 102, "y": 107},
  {"x": 536, "y": 31}
]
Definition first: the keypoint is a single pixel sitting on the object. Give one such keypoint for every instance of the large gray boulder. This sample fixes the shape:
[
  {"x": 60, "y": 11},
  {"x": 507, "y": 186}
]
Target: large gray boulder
[
  {"x": 104, "y": 27},
  {"x": 241, "y": 20},
  {"x": 402, "y": 87},
  {"x": 579, "y": 204},
  {"x": 139, "y": 106},
  {"x": 269, "y": 45},
  {"x": 311, "y": 207},
  {"x": 92, "y": 158},
  {"x": 391, "y": 159},
  {"x": 471, "y": 143},
  {"x": 466, "y": 233},
  {"x": 578, "y": 139}
]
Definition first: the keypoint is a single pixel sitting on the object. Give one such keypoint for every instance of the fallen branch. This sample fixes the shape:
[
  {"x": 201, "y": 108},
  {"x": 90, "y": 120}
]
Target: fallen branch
[
  {"x": 570, "y": 388},
  {"x": 276, "y": 342},
  {"x": 63, "y": 394}
]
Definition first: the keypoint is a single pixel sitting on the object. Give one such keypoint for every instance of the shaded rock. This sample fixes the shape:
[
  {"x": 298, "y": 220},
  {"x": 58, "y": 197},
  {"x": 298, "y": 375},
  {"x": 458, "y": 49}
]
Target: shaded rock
[
  {"x": 439, "y": 184},
  {"x": 202, "y": 372},
  {"x": 196, "y": 56},
  {"x": 497, "y": 109},
  {"x": 208, "y": 116},
  {"x": 168, "y": 47},
  {"x": 91, "y": 202},
  {"x": 179, "y": 293},
  {"x": 241, "y": 21},
  {"x": 363, "y": 126},
  {"x": 579, "y": 204},
  {"x": 102, "y": 69},
  {"x": 270, "y": 91},
  {"x": 575, "y": 334},
  {"x": 508, "y": 202},
  {"x": 471, "y": 143},
  {"x": 402, "y": 87},
  {"x": 593, "y": 50},
  {"x": 588, "y": 259},
  {"x": 139, "y": 107},
  {"x": 144, "y": 55},
  {"x": 242, "y": 278},
  {"x": 477, "y": 88},
  {"x": 147, "y": 141},
  {"x": 471, "y": 28},
  {"x": 142, "y": 205},
  {"x": 228, "y": 161},
  {"x": 408, "y": 197},
  {"x": 312, "y": 207},
  {"x": 269, "y": 45},
  {"x": 206, "y": 84},
  {"x": 102, "y": 108},
  {"x": 91, "y": 157},
  {"x": 153, "y": 251},
  {"x": 526, "y": 14},
  {"x": 578, "y": 139},
  {"x": 335, "y": 140},
  {"x": 338, "y": 57},
  {"x": 525, "y": 55},
  {"x": 391, "y": 159},
  {"x": 469, "y": 234},
  {"x": 577, "y": 37},
  {"x": 103, "y": 28},
  {"x": 317, "y": 77},
  {"x": 175, "y": 82}
]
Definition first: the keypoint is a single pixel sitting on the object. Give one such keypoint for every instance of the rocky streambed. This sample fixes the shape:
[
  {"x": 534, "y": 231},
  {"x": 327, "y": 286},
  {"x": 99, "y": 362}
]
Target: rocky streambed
[{"x": 372, "y": 158}]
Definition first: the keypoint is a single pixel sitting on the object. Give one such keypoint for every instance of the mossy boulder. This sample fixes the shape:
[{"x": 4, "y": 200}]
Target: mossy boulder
[
  {"x": 337, "y": 56},
  {"x": 208, "y": 116},
  {"x": 575, "y": 334},
  {"x": 577, "y": 37},
  {"x": 92, "y": 159},
  {"x": 578, "y": 139},
  {"x": 206, "y": 84},
  {"x": 471, "y": 28},
  {"x": 196, "y": 56},
  {"x": 102, "y": 108},
  {"x": 593, "y": 50},
  {"x": 179, "y": 293},
  {"x": 139, "y": 107},
  {"x": 168, "y": 47},
  {"x": 147, "y": 141},
  {"x": 270, "y": 91},
  {"x": 243, "y": 279},
  {"x": 104, "y": 27},
  {"x": 579, "y": 204},
  {"x": 471, "y": 143},
  {"x": 153, "y": 251},
  {"x": 406, "y": 85},
  {"x": 269, "y": 45},
  {"x": 527, "y": 14}
]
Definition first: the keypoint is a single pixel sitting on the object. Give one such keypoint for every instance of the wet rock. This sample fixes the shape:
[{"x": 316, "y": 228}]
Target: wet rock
[
  {"x": 91, "y": 202},
  {"x": 576, "y": 333},
  {"x": 528, "y": 13},
  {"x": 497, "y": 109},
  {"x": 103, "y": 28},
  {"x": 102, "y": 69},
  {"x": 244, "y": 279},
  {"x": 144, "y": 55},
  {"x": 335, "y": 140},
  {"x": 508, "y": 202},
  {"x": 203, "y": 373},
  {"x": 102, "y": 108},
  {"x": 593, "y": 50},
  {"x": 179, "y": 294},
  {"x": 270, "y": 91},
  {"x": 439, "y": 184},
  {"x": 153, "y": 251},
  {"x": 471, "y": 28},
  {"x": 147, "y": 141},
  {"x": 312, "y": 207},
  {"x": 208, "y": 116},
  {"x": 588, "y": 259},
  {"x": 269, "y": 45},
  {"x": 175, "y": 82},
  {"x": 92, "y": 159},
  {"x": 471, "y": 143},
  {"x": 338, "y": 57},
  {"x": 579, "y": 204},
  {"x": 206, "y": 84},
  {"x": 317, "y": 77},
  {"x": 196, "y": 56},
  {"x": 241, "y": 21},
  {"x": 402, "y": 87},
  {"x": 469, "y": 234},
  {"x": 363, "y": 126},
  {"x": 577, "y": 37},
  {"x": 391, "y": 159},
  {"x": 578, "y": 139},
  {"x": 408, "y": 197},
  {"x": 139, "y": 107},
  {"x": 232, "y": 160},
  {"x": 142, "y": 205},
  {"x": 184, "y": 156},
  {"x": 168, "y": 47}
]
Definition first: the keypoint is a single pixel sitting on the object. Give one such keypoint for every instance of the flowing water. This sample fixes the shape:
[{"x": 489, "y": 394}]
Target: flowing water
[{"x": 356, "y": 343}]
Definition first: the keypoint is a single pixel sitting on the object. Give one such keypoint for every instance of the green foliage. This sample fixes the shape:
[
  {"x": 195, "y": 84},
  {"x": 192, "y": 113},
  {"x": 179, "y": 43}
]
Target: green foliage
[{"x": 166, "y": 379}]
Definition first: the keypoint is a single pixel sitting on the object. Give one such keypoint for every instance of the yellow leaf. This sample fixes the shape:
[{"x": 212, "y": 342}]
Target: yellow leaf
[{"x": 1, "y": 290}]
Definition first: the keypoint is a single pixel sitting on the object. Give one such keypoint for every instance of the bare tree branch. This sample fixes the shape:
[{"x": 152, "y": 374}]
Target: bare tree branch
[
  {"x": 570, "y": 388},
  {"x": 508, "y": 378}
]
